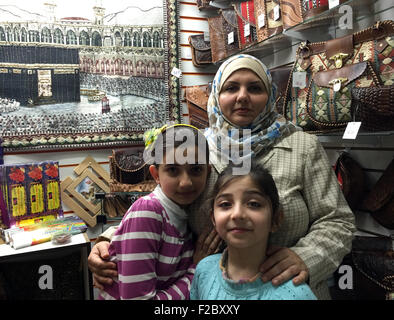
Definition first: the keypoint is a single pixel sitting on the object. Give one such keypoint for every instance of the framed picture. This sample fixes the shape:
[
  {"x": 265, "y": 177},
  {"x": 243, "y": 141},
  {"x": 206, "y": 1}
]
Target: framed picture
[{"x": 80, "y": 74}]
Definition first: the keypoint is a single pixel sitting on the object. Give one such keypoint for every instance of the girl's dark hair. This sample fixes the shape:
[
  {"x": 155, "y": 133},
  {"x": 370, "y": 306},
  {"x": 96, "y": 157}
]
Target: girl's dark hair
[
  {"x": 260, "y": 176},
  {"x": 189, "y": 134}
]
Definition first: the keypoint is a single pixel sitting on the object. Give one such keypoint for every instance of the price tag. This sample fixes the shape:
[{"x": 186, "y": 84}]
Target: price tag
[
  {"x": 351, "y": 130},
  {"x": 277, "y": 12},
  {"x": 247, "y": 30},
  {"x": 261, "y": 20},
  {"x": 230, "y": 38},
  {"x": 176, "y": 72},
  {"x": 299, "y": 79},
  {"x": 333, "y": 3},
  {"x": 207, "y": 36}
]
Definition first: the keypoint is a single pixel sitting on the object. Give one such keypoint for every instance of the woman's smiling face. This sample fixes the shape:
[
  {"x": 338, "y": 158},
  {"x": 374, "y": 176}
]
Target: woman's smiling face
[{"x": 243, "y": 97}]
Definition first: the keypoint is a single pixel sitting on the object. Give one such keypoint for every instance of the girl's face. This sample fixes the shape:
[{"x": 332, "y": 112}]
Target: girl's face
[
  {"x": 242, "y": 214},
  {"x": 181, "y": 183},
  {"x": 243, "y": 97}
]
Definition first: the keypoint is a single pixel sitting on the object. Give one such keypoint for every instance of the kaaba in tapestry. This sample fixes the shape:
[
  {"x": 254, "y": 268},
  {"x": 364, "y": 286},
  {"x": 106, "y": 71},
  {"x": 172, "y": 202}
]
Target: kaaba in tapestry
[{"x": 39, "y": 75}]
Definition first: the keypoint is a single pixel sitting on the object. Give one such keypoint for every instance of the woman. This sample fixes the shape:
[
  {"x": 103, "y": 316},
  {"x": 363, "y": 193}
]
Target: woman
[{"x": 318, "y": 225}]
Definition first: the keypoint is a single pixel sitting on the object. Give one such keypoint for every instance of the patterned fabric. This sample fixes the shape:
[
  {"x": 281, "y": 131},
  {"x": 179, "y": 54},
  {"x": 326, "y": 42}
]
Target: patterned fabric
[
  {"x": 153, "y": 251},
  {"x": 318, "y": 224},
  {"x": 266, "y": 129},
  {"x": 209, "y": 284}
]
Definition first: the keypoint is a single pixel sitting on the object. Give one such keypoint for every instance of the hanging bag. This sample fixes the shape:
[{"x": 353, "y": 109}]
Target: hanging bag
[
  {"x": 365, "y": 58},
  {"x": 201, "y": 50},
  {"x": 246, "y": 23}
]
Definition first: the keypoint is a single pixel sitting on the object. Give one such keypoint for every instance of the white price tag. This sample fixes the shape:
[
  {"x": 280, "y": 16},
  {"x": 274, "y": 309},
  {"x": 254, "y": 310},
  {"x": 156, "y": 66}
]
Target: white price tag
[
  {"x": 247, "y": 30},
  {"x": 351, "y": 130},
  {"x": 176, "y": 72},
  {"x": 261, "y": 20},
  {"x": 206, "y": 36},
  {"x": 333, "y": 3},
  {"x": 299, "y": 79},
  {"x": 230, "y": 38},
  {"x": 277, "y": 12}
]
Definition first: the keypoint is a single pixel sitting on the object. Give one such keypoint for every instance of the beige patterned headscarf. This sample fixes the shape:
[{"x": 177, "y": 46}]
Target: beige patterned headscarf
[{"x": 266, "y": 129}]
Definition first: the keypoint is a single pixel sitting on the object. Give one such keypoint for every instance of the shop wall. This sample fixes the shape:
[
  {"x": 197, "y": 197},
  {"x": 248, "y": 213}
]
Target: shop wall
[{"x": 373, "y": 153}]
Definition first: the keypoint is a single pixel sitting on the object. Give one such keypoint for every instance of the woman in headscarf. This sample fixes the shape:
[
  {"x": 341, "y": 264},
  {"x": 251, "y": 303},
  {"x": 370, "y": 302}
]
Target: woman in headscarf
[{"x": 317, "y": 227}]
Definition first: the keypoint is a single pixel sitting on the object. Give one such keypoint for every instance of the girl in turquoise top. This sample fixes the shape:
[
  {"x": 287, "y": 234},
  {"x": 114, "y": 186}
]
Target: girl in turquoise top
[{"x": 245, "y": 209}]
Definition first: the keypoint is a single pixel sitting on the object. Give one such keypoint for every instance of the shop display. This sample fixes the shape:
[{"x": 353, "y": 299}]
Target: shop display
[
  {"x": 380, "y": 200},
  {"x": 330, "y": 69},
  {"x": 224, "y": 34},
  {"x": 374, "y": 107},
  {"x": 197, "y": 99},
  {"x": 30, "y": 192},
  {"x": 246, "y": 22},
  {"x": 45, "y": 231},
  {"x": 201, "y": 50}
]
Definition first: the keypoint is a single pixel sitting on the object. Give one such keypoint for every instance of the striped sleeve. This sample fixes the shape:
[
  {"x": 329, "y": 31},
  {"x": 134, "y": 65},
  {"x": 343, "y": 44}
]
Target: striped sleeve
[{"x": 143, "y": 245}]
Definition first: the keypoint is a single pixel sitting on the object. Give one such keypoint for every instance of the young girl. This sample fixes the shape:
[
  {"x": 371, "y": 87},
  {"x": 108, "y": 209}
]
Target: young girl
[
  {"x": 152, "y": 247},
  {"x": 245, "y": 210}
]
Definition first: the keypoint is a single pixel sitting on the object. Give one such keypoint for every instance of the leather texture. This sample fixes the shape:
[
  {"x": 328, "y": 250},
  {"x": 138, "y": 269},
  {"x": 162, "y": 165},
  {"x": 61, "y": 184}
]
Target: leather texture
[
  {"x": 380, "y": 200},
  {"x": 197, "y": 100},
  {"x": 219, "y": 29},
  {"x": 201, "y": 50},
  {"x": 374, "y": 107},
  {"x": 259, "y": 10},
  {"x": 291, "y": 13}
]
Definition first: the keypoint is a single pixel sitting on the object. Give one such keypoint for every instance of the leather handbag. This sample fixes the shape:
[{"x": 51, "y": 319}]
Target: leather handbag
[
  {"x": 374, "y": 107},
  {"x": 351, "y": 178},
  {"x": 280, "y": 76},
  {"x": 331, "y": 69},
  {"x": 246, "y": 23},
  {"x": 260, "y": 14},
  {"x": 204, "y": 5},
  {"x": 274, "y": 17},
  {"x": 129, "y": 172},
  {"x": 223, "y": 28},
  {"x": 197, "y": 99},
  {"x": 291, "y": 13},
  {"x": 380, "y": 200},
  {"x": 201, "y": 50},
  {"x": 373, "y": 261}
]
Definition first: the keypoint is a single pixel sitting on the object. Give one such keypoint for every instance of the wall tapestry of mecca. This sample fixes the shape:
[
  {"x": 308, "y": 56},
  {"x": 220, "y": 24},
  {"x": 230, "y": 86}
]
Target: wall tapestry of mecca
[{"x": 86, "y": 73}]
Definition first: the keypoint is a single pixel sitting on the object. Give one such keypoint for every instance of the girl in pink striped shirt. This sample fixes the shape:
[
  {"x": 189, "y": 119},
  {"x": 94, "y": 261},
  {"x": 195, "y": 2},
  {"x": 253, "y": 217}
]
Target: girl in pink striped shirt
[{"x": 153, "y": 247}]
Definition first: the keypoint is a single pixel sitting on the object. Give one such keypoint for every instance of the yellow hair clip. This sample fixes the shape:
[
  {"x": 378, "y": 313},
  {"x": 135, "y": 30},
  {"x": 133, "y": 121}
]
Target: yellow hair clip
[{"x": 151, "y": 135}]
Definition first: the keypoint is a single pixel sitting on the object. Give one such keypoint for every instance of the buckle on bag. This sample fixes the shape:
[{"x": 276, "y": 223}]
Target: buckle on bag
[
  {"x": 337, "y": 83},
  {"x": 338, "y": 59}
]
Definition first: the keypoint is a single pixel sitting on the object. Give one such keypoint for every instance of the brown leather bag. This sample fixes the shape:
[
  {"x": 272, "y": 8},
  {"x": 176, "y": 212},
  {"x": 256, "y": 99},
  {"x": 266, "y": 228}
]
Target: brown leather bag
[
  {"x": 204, "y": 5},
  {"x": 201, "y": 50},
  {"x": 291, "y": 13},
  {"x": 351, "y": 178},
  {"x": 219, "y": 28},
  {"x": 373, "y": 261},
  {"x": 380, "y": 200},
  {"x": 374, "y": 107},
  {"x": 129, "y": 172},
  {"x": 197, "y": 99}
]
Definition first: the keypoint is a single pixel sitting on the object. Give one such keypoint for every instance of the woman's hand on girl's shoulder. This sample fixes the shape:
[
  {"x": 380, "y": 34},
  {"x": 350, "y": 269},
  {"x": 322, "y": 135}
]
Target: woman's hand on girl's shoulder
[
  {"x": 283, "y": 264},
  {"x": 207, "y": 243}
]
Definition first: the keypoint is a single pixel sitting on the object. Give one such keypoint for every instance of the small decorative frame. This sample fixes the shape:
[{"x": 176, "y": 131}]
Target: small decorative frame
[{"x": 91, "y": 175}]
